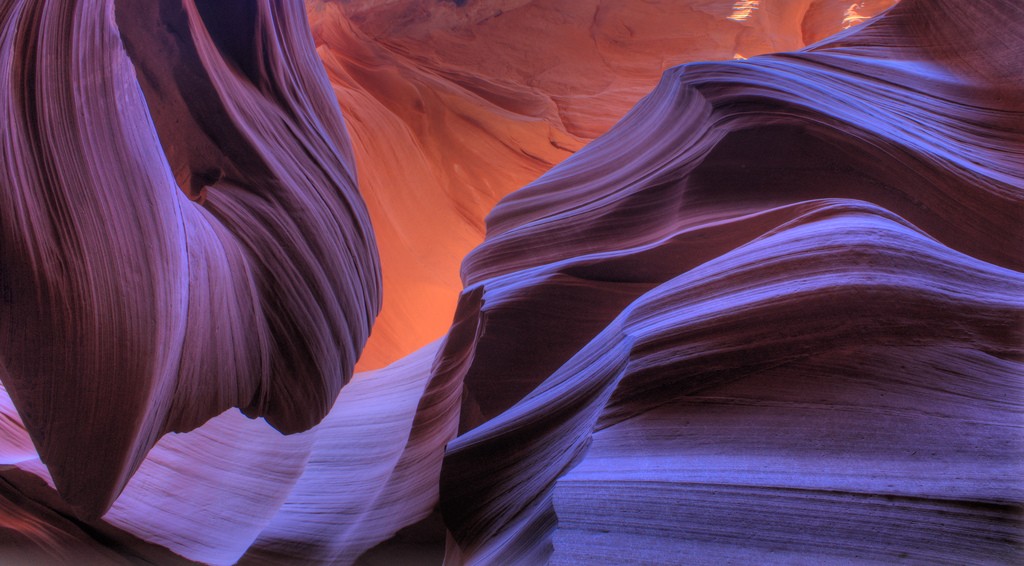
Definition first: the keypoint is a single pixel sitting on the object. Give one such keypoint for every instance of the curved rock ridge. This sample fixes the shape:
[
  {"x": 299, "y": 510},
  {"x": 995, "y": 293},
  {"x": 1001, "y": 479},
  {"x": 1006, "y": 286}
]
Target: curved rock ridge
[
  {"x": 815, "y": 371},
  {"x": 237, "y": 490},
  {"x": 454, "y": 105},
  {"x": 718, "y": 142},
  {"x": 374, "y": 467},
  {"x": 181, "y": 231},
  {"x": 775, "y": 314},
  {"x": 743, "y": 323}
]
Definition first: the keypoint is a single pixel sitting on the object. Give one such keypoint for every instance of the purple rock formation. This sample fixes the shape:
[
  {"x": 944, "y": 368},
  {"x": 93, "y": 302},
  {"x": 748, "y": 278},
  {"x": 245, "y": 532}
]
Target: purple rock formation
[
  {"x": 776, "y": 314},
  {"x": 743, "y": 324},
  {"x": 132, "y": 307}
]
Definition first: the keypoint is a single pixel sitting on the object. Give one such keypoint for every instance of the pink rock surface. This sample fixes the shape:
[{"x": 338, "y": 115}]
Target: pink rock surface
[{"x": 133, "y": 307}]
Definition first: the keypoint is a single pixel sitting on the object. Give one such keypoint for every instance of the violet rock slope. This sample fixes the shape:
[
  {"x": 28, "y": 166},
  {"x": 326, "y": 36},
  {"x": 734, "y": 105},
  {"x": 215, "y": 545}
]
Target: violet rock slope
[{"x": 774, "y": 315}]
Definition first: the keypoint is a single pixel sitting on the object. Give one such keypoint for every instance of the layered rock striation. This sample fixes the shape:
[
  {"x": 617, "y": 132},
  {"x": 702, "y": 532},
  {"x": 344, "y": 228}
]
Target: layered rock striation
[
  {"x": 454, "y": 105},
  {"x": 774, "y": 314},
  {"x": 182, "y": 232}
]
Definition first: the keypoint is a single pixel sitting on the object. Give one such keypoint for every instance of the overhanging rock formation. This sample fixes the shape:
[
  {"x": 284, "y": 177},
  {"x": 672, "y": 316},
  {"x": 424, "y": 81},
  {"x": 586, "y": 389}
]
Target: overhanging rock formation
[{"x": 164, "y": 262}]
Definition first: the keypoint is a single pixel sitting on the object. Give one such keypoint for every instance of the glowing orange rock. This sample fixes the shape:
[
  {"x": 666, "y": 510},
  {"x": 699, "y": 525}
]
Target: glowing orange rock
[{"x": 451, "y": 107}]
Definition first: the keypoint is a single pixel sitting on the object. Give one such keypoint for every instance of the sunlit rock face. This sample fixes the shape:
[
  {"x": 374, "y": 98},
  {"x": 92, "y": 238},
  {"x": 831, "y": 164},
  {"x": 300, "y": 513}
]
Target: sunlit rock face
[
  {"x": 453, "y": 105},
  {"x": 774, "y": 315}
]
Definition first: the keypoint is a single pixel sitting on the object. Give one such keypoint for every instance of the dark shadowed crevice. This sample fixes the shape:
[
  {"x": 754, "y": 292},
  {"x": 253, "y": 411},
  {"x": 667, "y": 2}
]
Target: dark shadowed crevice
[
  {"x": 232, "y": 25},
  {"x": 197, "y": 134}
]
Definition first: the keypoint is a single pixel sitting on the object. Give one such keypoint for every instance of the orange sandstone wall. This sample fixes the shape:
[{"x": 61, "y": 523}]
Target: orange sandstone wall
[{"x": 451, "y": 107}]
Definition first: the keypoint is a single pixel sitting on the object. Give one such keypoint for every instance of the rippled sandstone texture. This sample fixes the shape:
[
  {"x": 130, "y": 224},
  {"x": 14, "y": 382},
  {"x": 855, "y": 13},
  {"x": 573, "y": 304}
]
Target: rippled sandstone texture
[
  {"x": 774, "y": 315},
  {"x": 453, "y": 105},
  {"x": 181, "y": 229}
]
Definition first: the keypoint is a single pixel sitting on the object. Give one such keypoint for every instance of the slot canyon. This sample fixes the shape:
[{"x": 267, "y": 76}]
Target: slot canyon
[{"x": 496, "y": 282}]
